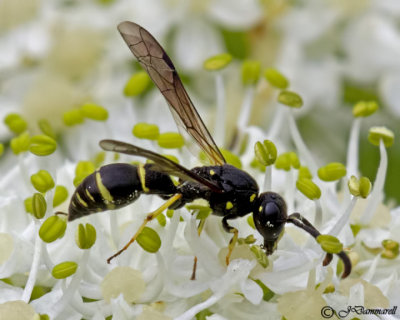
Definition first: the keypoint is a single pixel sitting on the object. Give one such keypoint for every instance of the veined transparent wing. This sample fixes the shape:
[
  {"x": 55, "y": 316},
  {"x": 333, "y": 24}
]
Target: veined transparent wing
[
  {"x": 161, "y": 163},
  {"x": 161, "y": 70}
]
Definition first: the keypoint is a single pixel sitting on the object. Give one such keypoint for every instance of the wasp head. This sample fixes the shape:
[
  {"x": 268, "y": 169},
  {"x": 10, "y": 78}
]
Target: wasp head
[{"x": 270, "y": 215}]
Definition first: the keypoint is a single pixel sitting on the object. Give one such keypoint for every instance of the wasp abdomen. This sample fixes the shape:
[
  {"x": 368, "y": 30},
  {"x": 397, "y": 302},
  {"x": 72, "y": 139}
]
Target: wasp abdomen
[{"x": 114, "y": 186}]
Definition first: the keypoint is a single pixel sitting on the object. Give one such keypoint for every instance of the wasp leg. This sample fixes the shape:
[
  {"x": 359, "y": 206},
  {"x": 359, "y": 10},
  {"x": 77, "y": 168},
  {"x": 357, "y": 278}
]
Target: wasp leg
[
  {"x": 148, "y": 218},
  {"x": 233, "y": 241},
  {"x": 298, "y": 220},
  {"x": 58, "y": 213},
  {"x": 199, "y": 230}
]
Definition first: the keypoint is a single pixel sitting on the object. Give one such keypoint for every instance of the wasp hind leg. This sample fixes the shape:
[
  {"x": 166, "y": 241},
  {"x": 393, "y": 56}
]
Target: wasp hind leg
[
  {"x": 148, "y": 218},
  {"x": 233, "y": 241},
  {"x": 199, "y": 230}
]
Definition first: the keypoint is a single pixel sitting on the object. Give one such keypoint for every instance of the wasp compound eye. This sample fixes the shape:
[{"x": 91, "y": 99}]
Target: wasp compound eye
[{"x": 269, "y": 218}]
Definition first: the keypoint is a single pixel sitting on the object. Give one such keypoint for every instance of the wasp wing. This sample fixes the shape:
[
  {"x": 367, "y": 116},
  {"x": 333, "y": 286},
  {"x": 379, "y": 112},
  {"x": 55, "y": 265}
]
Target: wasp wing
[
  {"x": 161, "y": 163},
  {"x": 161, "y": 70}
]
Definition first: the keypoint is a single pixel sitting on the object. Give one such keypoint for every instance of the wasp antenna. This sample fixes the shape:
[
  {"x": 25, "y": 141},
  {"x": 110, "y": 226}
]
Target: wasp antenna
[
  {"x": 346, "y": 263},
  {"x": 328, "y": 259},
  {"x": 299, "y": 221}
]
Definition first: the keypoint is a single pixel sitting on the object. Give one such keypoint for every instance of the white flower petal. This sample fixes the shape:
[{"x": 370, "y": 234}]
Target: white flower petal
[
  {"x": 194, "y": 42},
  {"x": 236, "y": 14}
]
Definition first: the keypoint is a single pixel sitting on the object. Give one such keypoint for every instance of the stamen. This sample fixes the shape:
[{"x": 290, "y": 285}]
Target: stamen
[
  {"x": 35, "y": 266},
  {"x": 344, "y": 218},
  {"x": 245, "y": 109},
  {"x": 221, "y": 115},
  {"x": 352, "y": 149},
  {"x": 300, "y": 145},
  {"x": 376, "y": 195}
]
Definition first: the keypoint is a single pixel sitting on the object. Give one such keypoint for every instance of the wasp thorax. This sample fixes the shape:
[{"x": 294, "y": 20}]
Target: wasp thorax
[{"x": 269, "y": 218}]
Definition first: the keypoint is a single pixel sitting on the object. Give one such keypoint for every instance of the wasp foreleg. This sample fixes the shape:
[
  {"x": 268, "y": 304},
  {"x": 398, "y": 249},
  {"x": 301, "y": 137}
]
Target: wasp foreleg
[{"x": 199, "y": 230}]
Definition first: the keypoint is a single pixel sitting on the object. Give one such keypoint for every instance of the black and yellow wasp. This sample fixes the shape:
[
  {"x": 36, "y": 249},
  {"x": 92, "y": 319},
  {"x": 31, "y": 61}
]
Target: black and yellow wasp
[{"x": 230, "y": 192}]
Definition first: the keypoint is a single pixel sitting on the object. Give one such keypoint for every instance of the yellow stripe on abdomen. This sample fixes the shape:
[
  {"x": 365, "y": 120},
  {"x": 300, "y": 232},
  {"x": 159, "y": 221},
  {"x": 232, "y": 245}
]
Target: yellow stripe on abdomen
[
  {"x": 142, "y": 177},
  {"x": 81, "y": 201},
  {"x": 104, "y": 192}
]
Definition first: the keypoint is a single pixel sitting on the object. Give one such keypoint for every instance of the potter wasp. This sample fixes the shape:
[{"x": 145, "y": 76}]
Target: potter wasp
[{"x": 230, "y": 192}]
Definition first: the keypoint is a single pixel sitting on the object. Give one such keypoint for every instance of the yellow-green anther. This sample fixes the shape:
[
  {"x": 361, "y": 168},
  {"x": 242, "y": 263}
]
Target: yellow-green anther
[
  {"x": 146, "y": 131},
  {"x": 85, "y": 236},
  {"x": 217, "y": 62},
  {"x": 170, "y": 140},
  {"x": 377, "y": 133},
  {"x": 20, "y": 143},
  {"x": 251, "y": 72},
  {"x": 392, "y": 245},
  {"x": 42, "y": 181},
  {"x": 308, "y": 188},
  {"x": 250, "y": 221},
  {"x": 1, "y": 149},
  {"x": 39, "y": 206},
  {"x": 149, "y": 240},
  {"x": 260, "y": 255},
  {"x": 354, "y": 186},
  {"x": 202, "y": 211},
  {"x": 388, "y": 254},
  {"x": 294, "y": 160},
  {"x": 391, "y": 249},
  {"x": 46, "y": 127},
  {"x": 290, "y": 99},
  {"x": 287, "y": 160},
  {"x": 329, "y": 243},
  {"x": 364, "y": 108},
  {"x": 64, "y": 269},
  {"x": 82, "y": 170},
  {"x": 15, "y": 123},
  {"x": 43, "y": 316},
  {"x": 304, "y": 173},
  {"x": 276, "y": 79},
  {"x": 249, "y": 239},
  {"x": 365, "y": 187},
  {"x": 60, "y": 195},
  {"x": 332, "y": 171},
  {"x": 283, "y": 162},
  {"x": 231, "y": 158},
  {"x": 170, "y": 213},
  {"x": 99, "y": 158},
  {"x": 73, "y": 117},
  {"x": 329, "y": 289},
  {"x": 162, "y": 220},
  {"x": 137, "y": 84},
  {"x": 39, "y": 291},
  {"x": 355, "y": 229},
  {"x": 94, "y": 112},
  {"x": 28, "y": 205},
  {"x": 267, "y": 292},
  {"x": 266, "y": 152},
  {"x": 52, "y": 228},
  {"x": 42, "y": 145}
]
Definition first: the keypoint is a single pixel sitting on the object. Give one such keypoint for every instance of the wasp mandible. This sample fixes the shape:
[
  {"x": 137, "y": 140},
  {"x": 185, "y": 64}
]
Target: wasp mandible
[{"x": 230, "y": 192}]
